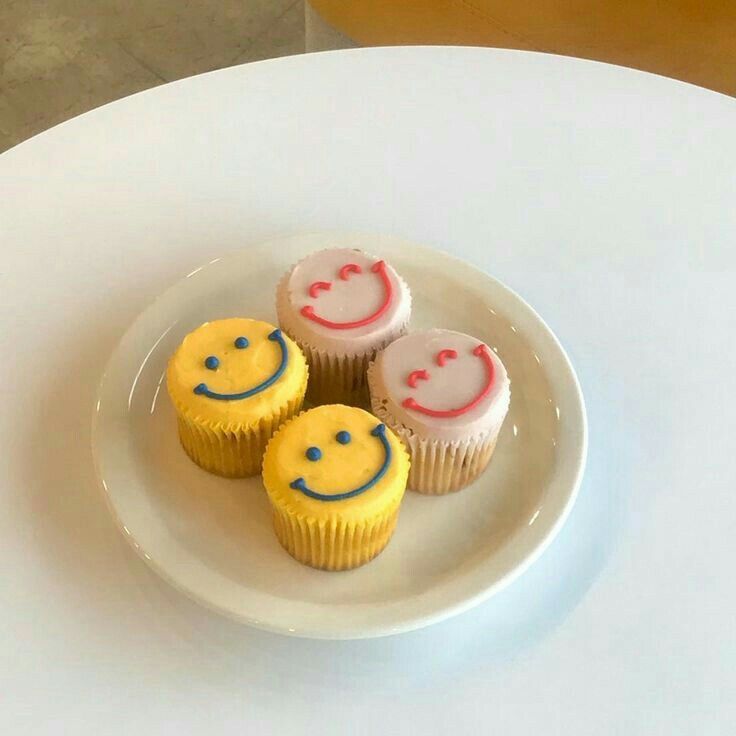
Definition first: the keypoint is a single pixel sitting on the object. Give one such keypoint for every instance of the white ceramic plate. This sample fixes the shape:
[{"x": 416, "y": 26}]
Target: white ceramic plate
[{"x": 212, "y": 539}]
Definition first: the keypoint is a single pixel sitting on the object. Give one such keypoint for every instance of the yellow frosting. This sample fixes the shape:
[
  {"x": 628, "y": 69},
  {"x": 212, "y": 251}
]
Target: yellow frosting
[
  {"x": 341, "y": 468},
  {"x": 239, "y": 370}
]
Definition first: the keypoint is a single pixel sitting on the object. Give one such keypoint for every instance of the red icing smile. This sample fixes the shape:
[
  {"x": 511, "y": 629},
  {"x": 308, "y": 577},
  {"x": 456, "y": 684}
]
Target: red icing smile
[
  {"x": 344, "y": 273},
  {"x": 481, "y": 352}
]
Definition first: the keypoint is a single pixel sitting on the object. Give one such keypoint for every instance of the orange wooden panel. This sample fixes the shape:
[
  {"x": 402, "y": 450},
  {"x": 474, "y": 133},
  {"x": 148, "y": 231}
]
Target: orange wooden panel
[{"x": 692, "y": 40}]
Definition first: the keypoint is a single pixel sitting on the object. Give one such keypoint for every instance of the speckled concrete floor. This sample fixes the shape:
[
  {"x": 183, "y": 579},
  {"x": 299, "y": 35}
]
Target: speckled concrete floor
[{"x": 59, "y": 58}]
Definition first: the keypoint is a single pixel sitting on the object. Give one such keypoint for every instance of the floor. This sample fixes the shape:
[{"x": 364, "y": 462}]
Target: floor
[{"x": 59, "y": 58}]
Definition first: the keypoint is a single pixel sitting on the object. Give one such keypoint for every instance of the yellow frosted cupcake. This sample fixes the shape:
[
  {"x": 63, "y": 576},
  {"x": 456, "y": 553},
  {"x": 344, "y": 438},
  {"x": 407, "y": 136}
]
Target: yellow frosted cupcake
[
  {"x": 335, "y": 476},
  {"x": 233, "y": 382}
]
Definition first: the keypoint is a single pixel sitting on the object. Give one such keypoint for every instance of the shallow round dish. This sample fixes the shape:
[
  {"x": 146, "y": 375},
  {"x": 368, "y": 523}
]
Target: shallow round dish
[{"x": 211, "y": 537}]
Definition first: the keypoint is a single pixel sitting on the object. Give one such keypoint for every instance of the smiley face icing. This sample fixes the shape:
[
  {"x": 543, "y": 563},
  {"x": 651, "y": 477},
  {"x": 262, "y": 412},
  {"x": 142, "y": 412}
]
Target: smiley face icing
[
  {"x": 232, "y": 383},
  {"x": 441, "y": 383},
  {"x": 335, "y": 476},
  {"x": 343, "y": 437},
  {"x": 342, "y": 297},
  {"x": 446, "y": 394},
  {"x": 212, "y": 362},
  {"x": 341, "y": 306}
]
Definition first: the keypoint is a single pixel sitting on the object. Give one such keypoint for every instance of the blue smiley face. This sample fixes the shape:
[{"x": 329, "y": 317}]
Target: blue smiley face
[
  {"x": 212, "y": 362},
  {"x": 314, "y": 454}
]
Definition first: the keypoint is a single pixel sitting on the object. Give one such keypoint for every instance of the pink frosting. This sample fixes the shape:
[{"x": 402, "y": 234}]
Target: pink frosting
[
  {"x": 470, "y": 376},
  {"x": 343, "y": 286}
]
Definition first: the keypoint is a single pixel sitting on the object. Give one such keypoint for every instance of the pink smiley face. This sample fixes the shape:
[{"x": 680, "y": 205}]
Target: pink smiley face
[
  {"x": 442, "y": 356},
  {"x": 344, "y": 273},
  {"x": 343, "y": 299},
  {"x": 439, "y": 379}
]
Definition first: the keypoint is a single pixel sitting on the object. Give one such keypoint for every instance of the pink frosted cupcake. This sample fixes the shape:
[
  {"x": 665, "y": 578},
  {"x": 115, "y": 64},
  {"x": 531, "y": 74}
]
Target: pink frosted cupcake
[
  {"x": 446, "y": 395},
  {"x": 341, "y": 306}
]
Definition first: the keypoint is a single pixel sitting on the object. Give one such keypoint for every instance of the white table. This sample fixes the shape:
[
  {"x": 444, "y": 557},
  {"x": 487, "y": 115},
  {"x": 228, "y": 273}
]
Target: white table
[{"x": 605, "y": 196}]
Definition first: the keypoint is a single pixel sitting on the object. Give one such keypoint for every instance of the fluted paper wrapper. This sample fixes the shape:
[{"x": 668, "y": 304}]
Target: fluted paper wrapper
[
  {"x": 333, "y": 544},
  {"x": 233, "y": 451},
  {"x": 442, "y": 467},
  {"x": 334, "y": 378}
]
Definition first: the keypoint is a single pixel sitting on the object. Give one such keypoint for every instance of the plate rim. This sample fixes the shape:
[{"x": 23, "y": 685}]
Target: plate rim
[{"x": 373, "y": 630}]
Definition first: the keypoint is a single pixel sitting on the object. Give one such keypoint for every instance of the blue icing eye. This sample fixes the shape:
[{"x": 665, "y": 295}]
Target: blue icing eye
[
  {"x": 212, "y": 362},
  {"x": 313, "y": 454},
  {"x": 241, "y": 342},
  {"x": 343, "y": 437}
]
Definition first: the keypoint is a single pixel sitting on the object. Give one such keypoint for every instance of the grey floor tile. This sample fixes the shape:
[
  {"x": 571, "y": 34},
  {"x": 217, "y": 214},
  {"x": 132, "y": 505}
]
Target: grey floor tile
[
  {"x": 284, "y": 37},
  {"x": 59, "y": 58},
  {"x": 40, "y": 95},
  {"x": 202, "y": 36}
]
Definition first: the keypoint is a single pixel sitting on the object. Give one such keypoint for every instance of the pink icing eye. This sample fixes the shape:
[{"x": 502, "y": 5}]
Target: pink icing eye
[
  {"x": 318, "y": 286},
  {"x": 444, "y": 355},
  {"x": 415, "y": 376},
  {"x": 349, "y": 268}
]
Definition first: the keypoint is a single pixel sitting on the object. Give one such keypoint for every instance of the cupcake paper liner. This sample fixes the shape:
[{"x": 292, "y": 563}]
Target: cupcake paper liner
[
  {"x": 337, "y": 379},
  {"x": 233, "y": 451},
  {"x": 333, "y": 544},
  {"x": 443, "y": 467}
]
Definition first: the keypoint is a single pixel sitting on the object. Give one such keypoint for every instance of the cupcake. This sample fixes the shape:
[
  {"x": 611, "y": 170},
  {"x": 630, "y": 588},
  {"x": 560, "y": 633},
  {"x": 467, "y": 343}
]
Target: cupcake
[
  {"x": 335, "y": 476},
  {"x": 445, "y": 394},
  {"x": 232, "y": 383},
  {"x": 341, "y": 306}
]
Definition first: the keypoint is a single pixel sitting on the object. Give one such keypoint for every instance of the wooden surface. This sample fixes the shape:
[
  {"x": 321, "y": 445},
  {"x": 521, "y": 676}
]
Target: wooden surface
[{"x": 689, "y": 40}]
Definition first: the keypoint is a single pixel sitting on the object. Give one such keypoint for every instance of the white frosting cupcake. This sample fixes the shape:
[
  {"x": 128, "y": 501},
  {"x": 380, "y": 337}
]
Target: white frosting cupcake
[
  {"x": 446, "y": 395},
  {"x": 341, "y": 306}
]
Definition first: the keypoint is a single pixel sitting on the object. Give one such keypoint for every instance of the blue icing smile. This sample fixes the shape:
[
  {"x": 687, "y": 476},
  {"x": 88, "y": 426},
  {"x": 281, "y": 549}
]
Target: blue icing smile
[
  {"x": 276, "y": 336},
  {"x": 380, "y": 432}
]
